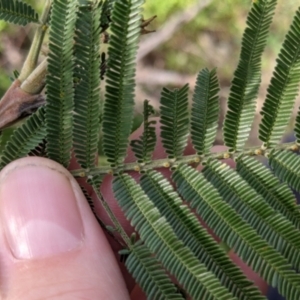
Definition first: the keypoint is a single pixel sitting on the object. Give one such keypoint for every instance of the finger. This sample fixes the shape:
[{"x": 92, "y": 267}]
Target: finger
[{"x": 51, "y": 244}]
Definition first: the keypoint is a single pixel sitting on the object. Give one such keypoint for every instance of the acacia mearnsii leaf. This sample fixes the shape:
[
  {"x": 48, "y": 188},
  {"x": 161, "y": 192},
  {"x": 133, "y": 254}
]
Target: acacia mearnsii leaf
[
  {"x": 283, "y": 88},
  {"x": 120, "y": 83},
  {"x": 236, "y": 232},
  {"x": 276, "y": 193},
  {"x": 159, "y": 237},
  {"x": 188, "y": 228},
  {"x": 17, "y": 12},
  {"x": 285, "y": 165},
  {"x": 87, "y": 87},
  {"x": 59, "y": 81},
  {"x": 174, "y": 120},
  {"x": 144, "y": 146},
  {"x": 25, "y": 138},
  {"x": 150, "y": 275},
  {"x": 253, "y": 208},
  {"x": 246, "y": 81},
  {"x": 205, "y": 111}
]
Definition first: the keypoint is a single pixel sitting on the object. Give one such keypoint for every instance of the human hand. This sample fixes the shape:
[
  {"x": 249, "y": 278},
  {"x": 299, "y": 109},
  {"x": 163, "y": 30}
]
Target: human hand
[{"x": 51, "y": 245}]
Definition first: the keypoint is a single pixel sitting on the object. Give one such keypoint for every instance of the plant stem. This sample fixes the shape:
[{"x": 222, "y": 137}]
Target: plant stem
[
  {"x": 118, "y": 226},
  {"x": 188, "y": 159},
  {"x": 33, "y": 55},
  {"x": 34, "y": 83}
]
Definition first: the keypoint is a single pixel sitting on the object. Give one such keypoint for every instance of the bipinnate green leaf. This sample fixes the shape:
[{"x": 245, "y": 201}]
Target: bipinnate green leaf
[
  {"x": 254, "y": 209},
  {"x": 174, "y": 120},
  {"x": 246, "y": 81},
  {"x": 87, "y": 89},
  {"x": 188, "y": 228},
  {"x": 120, "y": 83},
  {"x": 205, "y": 111},
  {"x": 235, "y": 232},
  {"x": 283, "y": 89},
  {"x": 59, "y": 81},
  {"x": 17, "y": 12},
  {"x": 159, "y": 237}
]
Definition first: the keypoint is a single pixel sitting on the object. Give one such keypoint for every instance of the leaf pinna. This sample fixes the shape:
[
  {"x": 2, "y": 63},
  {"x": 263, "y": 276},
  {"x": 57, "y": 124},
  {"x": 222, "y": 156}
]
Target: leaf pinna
[
  {"x": 246, "y": 81},
  {"x": 283, "y": 88},
  {"x": 174, "y": 120},
  {"x": 59, "y": 81},
  {"x": 144, "y": 147},
  {"x": 17, "y": 12},
  {"x": 205, "y": 111},
  {"x": 120, "y": 84},
  {"x": 87, "y": 88}
]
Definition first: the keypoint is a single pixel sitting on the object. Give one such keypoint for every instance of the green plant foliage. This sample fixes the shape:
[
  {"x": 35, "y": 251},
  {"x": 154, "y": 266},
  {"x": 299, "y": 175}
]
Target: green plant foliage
[
  {"x": 251, "y": 208},
  {"x": 245, "y": 84},
  {"x": 205, "y": 111},
  {"x": 274, "y": 192},
  {"x": 283, "y": 88},
  {"x": 25, "y": 138},
  {"x": 59, "y": 81},
  {"x": 87, "y": 95},
  {"x": 234, "y": 231},
  {"x": 105, "y": 18},
  {"x": 190, "y": 231},
  {"x": 120, "y": 84},
  {"x": 160, "y": 238},
  {"x": 271, "y": 225},
  {"x": 17, "y": 12},
  {"x": 144, "y": 147},
  {"x": 174, "y": 120},
  {"x": 148, "y": 273},
  {"x": 285, "y": 167}
]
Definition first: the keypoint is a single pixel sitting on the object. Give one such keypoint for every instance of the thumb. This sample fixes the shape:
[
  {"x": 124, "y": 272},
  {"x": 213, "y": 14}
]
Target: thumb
[{"x": 51, "y": 245}]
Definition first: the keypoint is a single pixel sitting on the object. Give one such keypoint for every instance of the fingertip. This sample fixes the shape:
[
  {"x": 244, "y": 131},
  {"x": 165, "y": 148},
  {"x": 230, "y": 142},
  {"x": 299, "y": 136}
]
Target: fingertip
[{"x": 52, "y": 244}]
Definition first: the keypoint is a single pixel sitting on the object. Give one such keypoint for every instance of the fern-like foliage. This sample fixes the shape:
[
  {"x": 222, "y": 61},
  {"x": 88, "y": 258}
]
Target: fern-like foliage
[
  {"x": 87, "y": 93},
  {"x": 283, "y": 88},
  {"x": 144, "y": 147},
  {"x": 174, "y": 120},
  {"x": 285, "y": 166},
  {"x": 119, "y": 102},
  {"x": 17, "y": 12},
  {"x": 271, "y": 225},
  {"x": 105, "y": 18},
  {"x": 275, "y": 193},
  {"x": 190, "y": 231},
  {"x": 205, "y": 111},
  {"x": 245, "y": 84},
  {"x": 160, "y": 238},
  {"x": 59, "y": 81},
  {"x": 148, "y": 273},
  {"x": 232, "y": 229},
  {"x": 26, "y": 137}
]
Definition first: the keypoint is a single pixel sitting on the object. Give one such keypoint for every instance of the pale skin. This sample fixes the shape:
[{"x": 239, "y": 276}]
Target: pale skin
[{"x": 85, "y": 264}]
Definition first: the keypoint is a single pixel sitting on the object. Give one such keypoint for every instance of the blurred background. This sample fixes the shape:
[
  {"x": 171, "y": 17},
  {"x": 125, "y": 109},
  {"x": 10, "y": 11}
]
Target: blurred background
[{"x": 190, "y": 35}]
